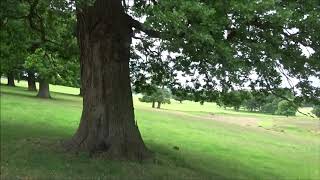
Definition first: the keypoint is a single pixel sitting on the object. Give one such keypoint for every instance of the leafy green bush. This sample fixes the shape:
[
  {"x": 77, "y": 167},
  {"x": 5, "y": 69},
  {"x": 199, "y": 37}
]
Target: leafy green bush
[
  {"x": 286, "y": 108},
  {"x": 316, "y": 111}
]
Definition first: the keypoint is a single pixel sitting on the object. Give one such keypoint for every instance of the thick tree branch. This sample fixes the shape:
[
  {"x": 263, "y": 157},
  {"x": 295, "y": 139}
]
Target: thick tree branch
[
  {"x": 139, "y": 26},
  {"x": 40, "y": 26}
]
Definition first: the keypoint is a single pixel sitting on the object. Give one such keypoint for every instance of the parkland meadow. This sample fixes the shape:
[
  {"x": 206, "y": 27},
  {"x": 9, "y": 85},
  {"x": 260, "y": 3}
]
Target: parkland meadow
[{"x": 189, "y": 141}]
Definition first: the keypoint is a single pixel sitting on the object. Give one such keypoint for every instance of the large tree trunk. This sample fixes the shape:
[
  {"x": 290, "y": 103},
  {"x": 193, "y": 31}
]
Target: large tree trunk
[
  {"x": 107, "y": 123},
  {"x": 153, "y": 104},
  {"x": 43, "y": 89},
  {"x": 31, "y": 82},
  {"x": 10, "y": 77}
]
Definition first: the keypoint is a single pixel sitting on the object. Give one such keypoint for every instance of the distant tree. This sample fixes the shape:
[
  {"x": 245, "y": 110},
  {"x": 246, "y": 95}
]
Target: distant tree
[
  {"x": 286, "y": 108},
  {"x": 233, "y": 99},
  {"x": 269, "y": 108},
  {"x": 199, "y": 96},
  {"x": 256, "y": 100},
  {"x": 271, "y": 104},
  {"x": 179, "y": 94},
  {"x": 13, "y": 49},
  {"x": 148, "y": 99},
  {"x": 316, "y": 111},
  {"x": 158, "y": 95},
  {"x": 178, "y": 98},
  {"x": 252, "y": 104},
  {"x": 47, "y": 67}
]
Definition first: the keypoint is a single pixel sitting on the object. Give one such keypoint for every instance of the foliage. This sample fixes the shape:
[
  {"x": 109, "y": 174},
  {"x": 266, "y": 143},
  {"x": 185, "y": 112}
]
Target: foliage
[
  {"x": 48, "y": 25},
  {"x": 254, "y": 100},
  {"x": 219, "y": 45},
  {"x": 179, "y": 95},
  {"x": 227, "y": 44},
  {"x": 286, "y": 108},
  {"x": 252, "y": 104},
  {"x": 233, "y": 99},
  {"x": 271, "y": 104},
  {"x": 160, "y": 95},
  {"x": 270, "y": 108},
  {"x": 316, "y": 111},
  {"x": 44, "y": 64},
  {"x": 13, "y": 47}
]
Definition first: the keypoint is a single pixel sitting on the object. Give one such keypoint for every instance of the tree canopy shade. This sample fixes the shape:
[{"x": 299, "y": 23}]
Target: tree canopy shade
[{"x": 221, "y": 45}]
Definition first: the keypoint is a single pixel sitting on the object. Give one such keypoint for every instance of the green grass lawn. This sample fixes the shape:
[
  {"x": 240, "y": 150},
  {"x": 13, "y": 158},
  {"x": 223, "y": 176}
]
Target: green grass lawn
[{"x": 213, "y": 143}]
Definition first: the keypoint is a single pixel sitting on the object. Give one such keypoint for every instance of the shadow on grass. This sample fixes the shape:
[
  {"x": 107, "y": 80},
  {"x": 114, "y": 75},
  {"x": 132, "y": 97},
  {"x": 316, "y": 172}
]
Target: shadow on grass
[
  {"x": 23, "y": 92},
  {"x": 35, "y": 143},
  {"x": 46, "y": 140}
]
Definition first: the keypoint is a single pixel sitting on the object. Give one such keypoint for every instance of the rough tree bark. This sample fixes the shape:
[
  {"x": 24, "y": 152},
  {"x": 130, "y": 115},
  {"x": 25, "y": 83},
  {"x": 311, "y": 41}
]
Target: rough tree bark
[
  {"x": 159, "y": 105},
  {"x": 43, "y": 90},
  {"x": 10, "y": 77},
  {"x": 31, "y": 82},
  {"x": 107, "y": 125}
]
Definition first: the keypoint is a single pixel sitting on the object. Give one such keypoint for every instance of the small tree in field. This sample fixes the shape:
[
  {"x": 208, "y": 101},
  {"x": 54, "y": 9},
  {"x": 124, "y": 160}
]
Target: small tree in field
[
  {"x": 316, "y": 111},
  {"x": 159, "y": 95},
  {"x": 286, "y": 108}
]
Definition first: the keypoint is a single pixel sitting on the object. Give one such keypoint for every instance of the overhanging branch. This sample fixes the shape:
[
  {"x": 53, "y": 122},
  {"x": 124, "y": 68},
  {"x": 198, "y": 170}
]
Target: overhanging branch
[{"x": 139, "y": 26}]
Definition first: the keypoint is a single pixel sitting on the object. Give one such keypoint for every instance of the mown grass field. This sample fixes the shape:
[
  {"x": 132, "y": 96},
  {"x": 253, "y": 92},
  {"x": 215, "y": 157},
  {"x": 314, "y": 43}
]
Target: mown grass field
[{"x": 213, "y": 143}]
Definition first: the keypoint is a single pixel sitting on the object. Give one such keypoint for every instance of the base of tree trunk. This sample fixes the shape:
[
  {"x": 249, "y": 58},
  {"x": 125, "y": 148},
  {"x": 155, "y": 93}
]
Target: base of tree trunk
[
  {"x": 11, "y": 80},
  {"x": 31, "y": 82},
  {"x": 44, "y": 90},
  {"x": 32, "y": 86},
  {"x": 115, "y": 151}
]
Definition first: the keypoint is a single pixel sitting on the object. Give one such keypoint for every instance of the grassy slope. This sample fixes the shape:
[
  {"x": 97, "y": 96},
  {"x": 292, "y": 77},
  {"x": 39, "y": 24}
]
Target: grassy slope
[{"x": 31, "y": 129}]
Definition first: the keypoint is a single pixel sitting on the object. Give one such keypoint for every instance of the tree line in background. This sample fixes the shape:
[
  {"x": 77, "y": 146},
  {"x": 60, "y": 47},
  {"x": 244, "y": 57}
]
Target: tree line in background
[
  {"x": 259, "y": 102},
  {"x": 252, "y": 101}
]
